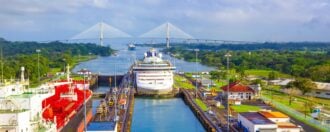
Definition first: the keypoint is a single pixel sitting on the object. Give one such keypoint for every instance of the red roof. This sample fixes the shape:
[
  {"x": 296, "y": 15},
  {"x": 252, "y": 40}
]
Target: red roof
[{"x": 237, "y": 87}]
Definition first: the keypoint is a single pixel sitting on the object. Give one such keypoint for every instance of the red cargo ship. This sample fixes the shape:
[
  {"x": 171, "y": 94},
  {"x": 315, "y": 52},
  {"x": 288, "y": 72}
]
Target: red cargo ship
[{"x": 67, "y": 101}]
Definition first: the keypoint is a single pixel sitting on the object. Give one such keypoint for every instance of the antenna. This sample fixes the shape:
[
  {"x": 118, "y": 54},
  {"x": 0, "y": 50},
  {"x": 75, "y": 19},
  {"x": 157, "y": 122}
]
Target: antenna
[
  {"x": 167, "y": 35},
  {"x": 101, "y": 33}
]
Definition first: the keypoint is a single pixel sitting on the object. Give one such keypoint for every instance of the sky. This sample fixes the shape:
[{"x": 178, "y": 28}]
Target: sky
[{"x": 238, "y": 20}]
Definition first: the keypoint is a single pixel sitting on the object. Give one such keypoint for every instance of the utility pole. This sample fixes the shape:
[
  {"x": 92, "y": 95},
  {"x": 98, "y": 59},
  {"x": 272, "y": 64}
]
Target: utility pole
[
  {"x": 196, "y": 51},
  {"x": 38, "y": 51},
  {"x": 227, "y": 56}
]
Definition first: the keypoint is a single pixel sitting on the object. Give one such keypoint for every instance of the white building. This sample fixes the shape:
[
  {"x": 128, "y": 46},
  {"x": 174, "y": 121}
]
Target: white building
[
  {"x": 255, "y": 122},
  {"x": 239, "y": 91},
  {"x": 280, "y": 82},
  {"x": 322, "y": 90},
  {"x": 266, "y": 121}
]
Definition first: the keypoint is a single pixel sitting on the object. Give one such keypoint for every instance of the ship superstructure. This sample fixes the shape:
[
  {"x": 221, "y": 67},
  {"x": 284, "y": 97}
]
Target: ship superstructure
[
  {"x": 20, "y": 107},
  {"x": 153, "y": 75}
]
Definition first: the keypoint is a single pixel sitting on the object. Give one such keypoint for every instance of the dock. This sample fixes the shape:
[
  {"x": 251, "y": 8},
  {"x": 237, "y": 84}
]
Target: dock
[{"x": 115, "y": 109}]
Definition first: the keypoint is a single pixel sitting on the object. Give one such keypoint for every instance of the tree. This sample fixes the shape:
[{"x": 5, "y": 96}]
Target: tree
[
  {"x": 291, "y": 91},
  {"x": 272, "y": 75},
  {"x": 303, "y": 84},
  {"x": 241, "y": 72},
  {"x": 215, "y": 75},
  {"x": 320, "y": 73},
  {"x": 258, "y": 81}
]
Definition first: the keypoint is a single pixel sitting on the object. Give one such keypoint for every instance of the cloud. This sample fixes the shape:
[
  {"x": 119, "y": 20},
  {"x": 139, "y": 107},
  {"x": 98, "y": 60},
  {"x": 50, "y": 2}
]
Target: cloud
[{"x": 253, "y": 20}]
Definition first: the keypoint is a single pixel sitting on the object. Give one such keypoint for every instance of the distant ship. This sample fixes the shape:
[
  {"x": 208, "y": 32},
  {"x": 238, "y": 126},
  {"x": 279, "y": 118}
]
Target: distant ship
[
  {"x": 131, "y": 46},
  {"x": 153, "y": 75}
]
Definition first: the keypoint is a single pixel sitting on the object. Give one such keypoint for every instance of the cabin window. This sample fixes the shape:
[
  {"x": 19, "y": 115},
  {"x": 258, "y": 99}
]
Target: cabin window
[
  {"x": 318, "y": 92},
  {"x": 328, "y": 122},
  {"x": 327, "y": 93}
]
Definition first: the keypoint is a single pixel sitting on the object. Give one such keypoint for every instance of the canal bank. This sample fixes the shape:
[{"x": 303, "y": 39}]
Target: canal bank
[{"x": 169, "y": 114}]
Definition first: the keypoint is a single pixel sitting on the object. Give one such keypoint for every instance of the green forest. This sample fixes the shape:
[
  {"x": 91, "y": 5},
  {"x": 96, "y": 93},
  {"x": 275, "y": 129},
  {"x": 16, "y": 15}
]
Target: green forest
[
  {"x": 312, "y": 62},
  {"x": 52, "y": 55}
]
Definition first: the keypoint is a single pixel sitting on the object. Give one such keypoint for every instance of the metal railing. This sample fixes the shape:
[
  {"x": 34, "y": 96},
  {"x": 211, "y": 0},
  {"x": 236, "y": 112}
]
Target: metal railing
[{"x": 297, "y": 115}]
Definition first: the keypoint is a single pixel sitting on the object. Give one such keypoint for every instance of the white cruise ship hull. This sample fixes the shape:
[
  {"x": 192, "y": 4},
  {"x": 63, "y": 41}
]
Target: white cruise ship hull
[
  {"x": 151, "y": 90},
  {"x": 147, "y": 91}
]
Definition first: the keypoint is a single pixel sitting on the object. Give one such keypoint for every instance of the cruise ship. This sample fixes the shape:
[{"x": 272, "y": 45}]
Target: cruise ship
[{"x": 153, "y": 75}]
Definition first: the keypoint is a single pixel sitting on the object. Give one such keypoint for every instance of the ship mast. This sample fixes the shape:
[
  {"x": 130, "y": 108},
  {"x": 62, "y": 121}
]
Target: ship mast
[
  {"x": 22, "y": 74},
  {"x": 68, "y": 73}
]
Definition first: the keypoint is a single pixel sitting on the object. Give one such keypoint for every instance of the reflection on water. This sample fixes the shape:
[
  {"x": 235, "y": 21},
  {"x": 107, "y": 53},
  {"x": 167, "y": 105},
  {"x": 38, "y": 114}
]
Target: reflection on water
[
  {"x": 102, "y": 89},
  {"x": 124, "y": 59},
  {"x": 164, "y": 115}
]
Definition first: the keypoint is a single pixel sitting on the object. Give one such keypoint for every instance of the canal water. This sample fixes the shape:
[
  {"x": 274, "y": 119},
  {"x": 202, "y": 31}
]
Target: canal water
[
  {"x": 164, "y": 115},
  {"x": 149, "y": 114},
  {"x": 119, "y": 64}
]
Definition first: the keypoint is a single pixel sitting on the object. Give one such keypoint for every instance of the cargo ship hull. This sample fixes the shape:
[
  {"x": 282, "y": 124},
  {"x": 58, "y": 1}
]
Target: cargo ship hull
[
  {"x": 76, "y": 124},
  {"x": 66, "y": 107}
]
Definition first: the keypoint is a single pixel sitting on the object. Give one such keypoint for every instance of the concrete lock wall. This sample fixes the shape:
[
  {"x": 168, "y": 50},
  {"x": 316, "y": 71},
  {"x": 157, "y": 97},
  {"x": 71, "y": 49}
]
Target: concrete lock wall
[{"x": 104, "y": 80}]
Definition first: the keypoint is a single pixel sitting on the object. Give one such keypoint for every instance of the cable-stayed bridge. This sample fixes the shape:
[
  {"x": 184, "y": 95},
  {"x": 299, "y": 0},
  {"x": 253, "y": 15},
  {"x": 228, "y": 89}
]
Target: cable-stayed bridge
[
  {"x": 166, "y": 31},
  {"x": 101, "y": 31}
]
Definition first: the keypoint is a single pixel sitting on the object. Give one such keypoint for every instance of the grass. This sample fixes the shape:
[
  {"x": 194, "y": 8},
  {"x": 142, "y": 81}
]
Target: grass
[
  {"x": 300, "y": 118},
  {"x": 55, "y": 70},
  {"x": 201, "y": 104},
  {"x": 244, "y": 108},
  {"x": 264, "y": 73},
  {"x": 298, "y": 102},
  {"x": 218, "y": 85},
  {"x": 77, "y": 59},
  {"x": 182, "y": 82}
]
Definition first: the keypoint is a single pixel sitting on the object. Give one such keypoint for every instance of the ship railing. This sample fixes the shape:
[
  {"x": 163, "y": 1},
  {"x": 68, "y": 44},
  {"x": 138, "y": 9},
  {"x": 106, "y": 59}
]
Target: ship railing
[
  {"x": 6, "y": 82},
  {"x": 40, "y": 90}
]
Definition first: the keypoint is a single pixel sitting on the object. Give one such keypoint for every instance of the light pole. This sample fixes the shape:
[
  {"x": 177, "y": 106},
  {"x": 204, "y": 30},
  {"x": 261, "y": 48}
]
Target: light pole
[
  {"x": 38, "y": 51},
  {"x": 85, "y": 103},
  {"x": 196, "y": 51},
  {"x": 227, "y": 56}
]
